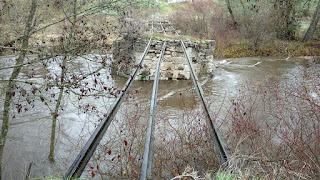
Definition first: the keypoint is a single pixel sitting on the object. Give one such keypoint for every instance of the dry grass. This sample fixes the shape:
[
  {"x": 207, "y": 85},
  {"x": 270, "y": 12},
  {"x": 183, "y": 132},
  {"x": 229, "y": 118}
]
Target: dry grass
[{"x": 275, "y": 48}]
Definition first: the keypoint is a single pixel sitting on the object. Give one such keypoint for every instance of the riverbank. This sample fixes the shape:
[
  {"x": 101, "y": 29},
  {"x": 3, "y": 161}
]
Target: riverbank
[{"x": 275, "y": 48}]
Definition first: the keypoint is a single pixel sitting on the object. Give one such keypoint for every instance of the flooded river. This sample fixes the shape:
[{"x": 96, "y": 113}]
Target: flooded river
[{"x": 29, "y": 135}]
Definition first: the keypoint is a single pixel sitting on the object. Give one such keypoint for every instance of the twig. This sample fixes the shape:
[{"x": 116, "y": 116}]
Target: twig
[
  {"x": 20, "y": 49},
  {"x": 29, "y": 171},
  {"x": 21, "y": 81}
]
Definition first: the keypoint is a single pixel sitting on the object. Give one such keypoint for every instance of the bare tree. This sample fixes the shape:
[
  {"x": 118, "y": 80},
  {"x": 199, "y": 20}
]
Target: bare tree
[
  {"x": 231, "y": 12},
  {"x": 286, "y": 18},
  {"x": 11, "y": 84},
  {"x": 76, "y": 44},
  {"x": 63, "y": 69},
  {"x": 313, "y": 24}
]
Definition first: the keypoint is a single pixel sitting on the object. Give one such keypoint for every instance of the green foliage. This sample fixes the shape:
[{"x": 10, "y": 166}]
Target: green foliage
[
  {"x": 143, "y": 77},
  {"x": 224, "y": 176},
  {"x": 227, "y": 175},
  {"x": 166, "y": 8},
  {"x": 161, "y": 37}
]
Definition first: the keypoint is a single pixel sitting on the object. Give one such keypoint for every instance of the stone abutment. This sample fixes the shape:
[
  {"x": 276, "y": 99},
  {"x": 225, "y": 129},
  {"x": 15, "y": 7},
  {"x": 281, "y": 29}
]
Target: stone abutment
[{"x": 174, "y": 65}]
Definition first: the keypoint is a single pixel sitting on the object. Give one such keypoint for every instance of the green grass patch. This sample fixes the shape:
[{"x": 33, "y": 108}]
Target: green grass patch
[
  {"x": 162, "y": 37},
  {"x": 224, "y": 176},
  {"x": 227, "y": 175},
  {"x": 166, "y": 8}
]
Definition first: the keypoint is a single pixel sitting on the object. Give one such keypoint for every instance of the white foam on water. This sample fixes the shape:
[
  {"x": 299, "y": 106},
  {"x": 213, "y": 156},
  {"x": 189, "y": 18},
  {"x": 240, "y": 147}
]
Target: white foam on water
[{"x": 256, "y": 64}]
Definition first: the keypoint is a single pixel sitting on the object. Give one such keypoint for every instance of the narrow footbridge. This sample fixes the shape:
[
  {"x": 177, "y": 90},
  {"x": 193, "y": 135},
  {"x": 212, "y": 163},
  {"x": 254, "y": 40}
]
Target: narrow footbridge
[{"x": 87, "y": 151}]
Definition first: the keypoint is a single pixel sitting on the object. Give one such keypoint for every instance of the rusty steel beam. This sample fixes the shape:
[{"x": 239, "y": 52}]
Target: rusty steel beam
[{"x": 218, "y": 141}]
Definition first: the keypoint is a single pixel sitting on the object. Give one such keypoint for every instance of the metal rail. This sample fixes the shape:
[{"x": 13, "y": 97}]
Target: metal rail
[
  {"x": 218, "y": 141},
  {"x": 169, "y": 23},
  {"x": 164, "y": 31},
  {"x": 87, "y": 151},
  {"x": 152, "y": 27},
  {"x": 148, "y": 147},
  {"x": 158, "y": 22}
]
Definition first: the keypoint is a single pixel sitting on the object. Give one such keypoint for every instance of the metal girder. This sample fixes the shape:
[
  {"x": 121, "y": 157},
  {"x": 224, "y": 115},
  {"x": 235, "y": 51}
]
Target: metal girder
[
  {"x": 174, "y": 30},
  {"x": 148, "y": 147},
  {"x": 87, "y": 151},
  {"x": 218, "y": 141},
  {"x": 164, "y": 31}
]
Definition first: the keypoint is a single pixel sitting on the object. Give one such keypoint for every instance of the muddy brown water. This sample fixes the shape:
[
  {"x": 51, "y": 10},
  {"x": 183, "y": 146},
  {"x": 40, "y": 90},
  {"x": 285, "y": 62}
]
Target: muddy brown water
[{"x": 28, "y": 138}]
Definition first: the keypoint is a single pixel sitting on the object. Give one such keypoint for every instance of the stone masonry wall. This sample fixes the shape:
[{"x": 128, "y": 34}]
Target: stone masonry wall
[{"x": 174, "y": 64}]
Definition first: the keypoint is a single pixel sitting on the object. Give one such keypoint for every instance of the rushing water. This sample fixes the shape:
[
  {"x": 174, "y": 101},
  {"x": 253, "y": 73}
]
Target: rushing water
[{"x": 29, "y": 134}]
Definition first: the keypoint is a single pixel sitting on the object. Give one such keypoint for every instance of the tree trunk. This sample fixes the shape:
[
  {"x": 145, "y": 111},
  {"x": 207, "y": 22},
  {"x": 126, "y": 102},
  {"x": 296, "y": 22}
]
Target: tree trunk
[
  {"x": 231, "y": 12},
  {"x": 285, "y": 10},
  {"x": 243, "y": 8},
  {"x": 313, "y": 24},
  {"x": 62, "y": 85},
  {"x": 11, "y": 84}
]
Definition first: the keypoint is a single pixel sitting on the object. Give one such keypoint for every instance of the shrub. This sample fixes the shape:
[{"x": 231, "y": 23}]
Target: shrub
[
  {"x": 196, "y": 18},
  {"x": 275, "y": 127},
  {"x": 181, "y": 141}
]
